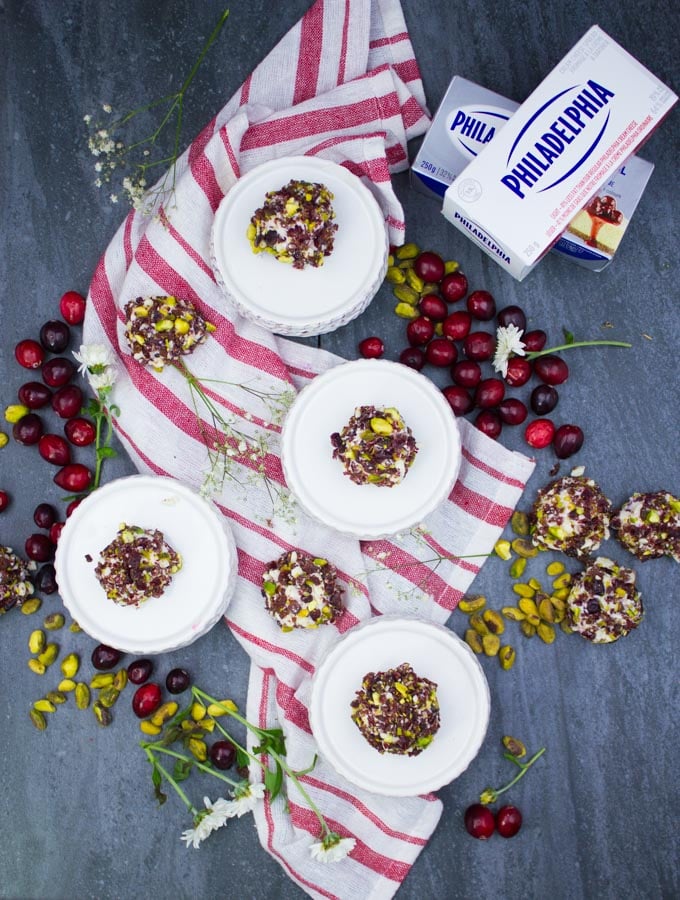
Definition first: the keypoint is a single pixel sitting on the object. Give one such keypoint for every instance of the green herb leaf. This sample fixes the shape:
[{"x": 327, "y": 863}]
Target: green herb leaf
[
  {"x": 157, "y": 780},
  {"x": 106, "y": 453},
  {"x": 242, "y": 759},
  {"x": 273, "y": 781},
  {"x": 308, "y": 769},
  {"x": 568, "y": 336},
  {"x": 182, "y": 769}
]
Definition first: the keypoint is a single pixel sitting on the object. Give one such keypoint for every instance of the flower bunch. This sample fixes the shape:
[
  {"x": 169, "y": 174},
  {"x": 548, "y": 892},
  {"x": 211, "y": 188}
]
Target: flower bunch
[{"x": 97, "y": 364}]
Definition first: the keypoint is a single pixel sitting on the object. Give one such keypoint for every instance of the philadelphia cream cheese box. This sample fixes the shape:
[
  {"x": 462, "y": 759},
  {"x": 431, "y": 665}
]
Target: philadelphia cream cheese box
[{"x": 572, "y": 133}]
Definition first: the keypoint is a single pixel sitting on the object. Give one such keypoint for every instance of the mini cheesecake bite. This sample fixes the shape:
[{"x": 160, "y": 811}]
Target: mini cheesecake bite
[
  {"x": 570, "y": 515},
  {"x": 160, "y": 330},
  {"x": 15, "y": 586},
  {"x": 397, "y": 711},
  {"x": 137, "y": 565},
  {"x": 375, "y": 447},
  {"x": 648, "y": 525},
  {"x": 301, "y": 591},
  {"x": 603, "y": 604}
]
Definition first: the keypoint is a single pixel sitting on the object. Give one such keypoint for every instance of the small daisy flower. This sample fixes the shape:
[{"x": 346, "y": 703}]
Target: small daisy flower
[
  {"x": 245, "y": 799},
  {"x": 508, "y": 343},
  {"x": 207, "y": 820},
  {"x": 332, "y": 848}
]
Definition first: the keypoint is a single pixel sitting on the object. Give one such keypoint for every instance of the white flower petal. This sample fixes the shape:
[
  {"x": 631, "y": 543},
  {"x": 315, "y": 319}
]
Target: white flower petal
[
  {"x": 332, "y": 849},
  {"x": 508, "y": 343}
]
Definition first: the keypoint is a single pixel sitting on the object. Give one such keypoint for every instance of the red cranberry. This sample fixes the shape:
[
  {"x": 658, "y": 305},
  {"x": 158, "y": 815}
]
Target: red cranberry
[
  {"x": 519, "y": 371},
  {"x": 75, "y": 477},
  {"x": 74, "y": 504},
  {"x": 539, "y": 433},
  {"x": 80, "y": 432},
  {"x": 28, "y": 429},
  {"x": 534, "y": 340},
  {"x": 479, "y": 345},
  {"x": 512, "y": 411},
  {"x": 512, "y": 315},
  {"x": 419, "y": 331},
  {"x": 433, "y": 307},
  {"x": 479, "y": 821},
  {"x": 39, "y": 548},
  {"x": 458, "y": 399},
  {"x": 543, "y": 399},
  {"x": 413, "y": 357},
  {"x": 567, "y": 441},
  {"x": 55, "y": 532},
  {"x": 508, "y": 821},
  {"x": 481, "y": 305},
  {"x": 429, "y": 266},
  {"x": 29, "y": 354},
  {"x": 551, "y": 369},
  {"x": 67, "y": 401},
  {"x": 466, "y": 373},
  {"x": 146, "y": 699},
  {"x": 46, "y": 579},
  {"x": 72, "y": 307},
  {"x": 54, "y": 449},
  {"x": 58, "y": 371},
  {"x": 457, "y": 325},
  {"x": 44, "y": 515},
  {"x": 223, "y": 754},
  {"x": 55, "y": 336},
  {"x": 371, "y": 348},
  {"x": 34, "y": 394},
  {"x": 105, "y": 657},
  {"x": 489, "y": 393},
  {"x": 489, "y": 422},
  {"x": 140, "y": 671},
  {"x": 453, "y": 287},
  {"x": 4, "y": 500},
  {"x": 177, "y": 680},
  {"x": 441, "y": 352}
]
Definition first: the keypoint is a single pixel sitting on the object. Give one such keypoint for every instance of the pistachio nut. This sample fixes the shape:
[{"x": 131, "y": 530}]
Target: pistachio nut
[
  {"x": 523, "y": 590},
  {"x": 524, "y": 548},
  {"x": 38, "y": 719},
  {"x": 198, "y": 749},
  {"x": 120, "y": 679},
  {"x": 221, "y": 708},
  {"x": 198, "y": 711},
  {"x": 554, "y": 568},
  {"x": 101, "y": 680},
  {"x": 517, "y": 567},
  {"x": 546, "y": 632},
  {"x": 491, "y": 644},
  {"x": 512, "y": 745},
  {"x": 30, "y": 606},
  {"x": 54, "y": 622},
  {"x": 406, "y": 294},
  {"x": 535, "y": 584},
  {"x": 66, "y": 685},
  {"x": 74, "y": 627},
  {"x": 407, "y": 251},
  {"x": 472, "y": 604},
  {"x": 414, "y": 280},
  {"x": 406, "y": 311},
  {"x": 502, "y": 548},
  {"x": 565, "y": 626},
  {"x": 450, "y": 265},
  {"x": 36, "y": 641},
  {"x": 506, "y": 657},
  {"x": 494, "y": 621},
  {"x": 528, "y": 606},
  {"x": 478, "y": 624},
  {"x": 545, "y": 608},
  {"x": 513, "y": 613},
  {"x": 70, "y": 665},
  {"x": 82, "y": 695},
  {"x": 474, "y": 640},
  {"x": 520, "y": 523},
  {"x": 44, "y": 706},
  {"x": 395, "y": 275},
  {"x": 36, "y": 666},
  {"x": 562, "y": 593},
  {"x": 528, "y": 630},
  {"x": 56, "y": 697},
  {"x": 164, "y": 712},
  {"x": 563, "y": 581},
  {"x": 148, "y": 727},
  {"x": 108, "y": 696},
  {"x": 102, "y": 714}
]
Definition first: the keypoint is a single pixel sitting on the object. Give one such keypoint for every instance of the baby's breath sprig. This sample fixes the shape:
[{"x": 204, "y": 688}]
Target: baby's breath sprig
[{"x": 134, "y": 162}]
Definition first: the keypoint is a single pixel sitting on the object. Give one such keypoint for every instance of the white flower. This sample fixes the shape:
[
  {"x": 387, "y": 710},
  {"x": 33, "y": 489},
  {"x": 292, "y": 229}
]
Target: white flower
[
  {"x": 87, "y": 119},
  {"x": 332, "y": 848},
  {"x": 102, "y": 380},
  {"x": 106, "y": 107},
  {"x": 245, "y": 799},
  {"x": 214, "y": 816},
  {"x": 93, "y": 358},
  {"x": 508, "y": 343}
]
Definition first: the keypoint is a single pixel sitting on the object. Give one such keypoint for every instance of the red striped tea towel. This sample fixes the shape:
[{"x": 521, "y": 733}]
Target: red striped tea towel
[{"x": 344, "y": 85}]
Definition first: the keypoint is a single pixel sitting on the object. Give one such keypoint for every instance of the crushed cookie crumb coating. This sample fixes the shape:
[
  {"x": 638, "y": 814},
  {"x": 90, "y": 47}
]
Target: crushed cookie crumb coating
[
  {"x": 15, "y": 586},
  {"x": 159, "y": 330},
  {"x": 295, "y": 224},
  {"x": 375, "y": 447},
  {"x": 570, "y": 515},
  {"x": 301, "y": 591},
  {"x": 138, "y": 564},
  {"x": 603, "y": 604},
  {"x": 648, "y": 525},
  {"x": 397, "y": 711}
]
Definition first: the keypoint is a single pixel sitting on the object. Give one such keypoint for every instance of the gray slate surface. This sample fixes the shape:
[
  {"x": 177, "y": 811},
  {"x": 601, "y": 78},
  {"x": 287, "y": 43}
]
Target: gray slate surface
[{"x": 76, "y": 814}]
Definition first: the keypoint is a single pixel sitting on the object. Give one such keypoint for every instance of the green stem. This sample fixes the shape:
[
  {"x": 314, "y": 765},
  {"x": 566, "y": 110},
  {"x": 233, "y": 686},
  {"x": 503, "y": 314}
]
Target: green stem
[
  {"x": 298, "y": 784},
  {"x": 208, "y": 44},
  {"x": 97, "y": 447},
  {"x": 193, "y": 761},
  {"x": 168, "y": 777},
  {"x": 536, "y": 353},
  {"x": 524, "y": 767}
]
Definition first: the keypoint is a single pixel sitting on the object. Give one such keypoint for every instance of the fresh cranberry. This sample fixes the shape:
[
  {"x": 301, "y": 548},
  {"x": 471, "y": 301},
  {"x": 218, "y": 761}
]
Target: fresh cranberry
[
  {"x": 534, "y": 340},
  {"x": 479, "y": 345},
  {"x": 55, "y": 532},
  {"x": 146, "y": 699},
  {"x": 223, "y": 754},
  {"x": 419, "y": 331},
  {"x": 441, "y": 352},
  {"x": 105, "y": 657},
  {"x": 481, "y": 305},
  {"x": 34, "y": 394},
  {"x": 508, "y": 821},
  {"x": 433, "y": 307},
  {"x": 457, "y": 325},
  {"x": 80, "y": 432},
  {"x": 458, "y": 399},
  {"x": 72, "y": 307},
  {"x": 371, "y": 348},
  {"x": 177, "y": 680},
  {"x": 74, "y": 504},
  {"x": 413, "y": 357},
  {"x": 489, "y": 393},
  {"x": 54, "y": 449},
  {"x": 39, "y": 548},
  {"x": 567, "y": 441},
  {"x": 429, "y": 266},
  {"x": 67, "y": 401},
  {"x": 58, "y": 371},
  {"x": 489, "y": 422},
  {"x": 140, "y": 671},
  {"x": 539, "y": 433},
  {"x": 29, "y": 354},
  {"x": 512, "y": 411},
  {"x": 551, "y": 369},
  {"x": 75, "y": 477},
  {"x": 55, "y": 336},
  {"x": 466, "y": 373},
  {"x": 519, "y": 371},
  {"x": 44, "y": 515},
  {"x": 453, "y": 287},
  {"x": 543, "y": 399},
  {"x": 28, "y": 429},
  {"x": 4, "y": 500},
  {"x": 512, "y": 315},
  {"x": 479, "y": 821},
  {"x": 46, "y": 579}
]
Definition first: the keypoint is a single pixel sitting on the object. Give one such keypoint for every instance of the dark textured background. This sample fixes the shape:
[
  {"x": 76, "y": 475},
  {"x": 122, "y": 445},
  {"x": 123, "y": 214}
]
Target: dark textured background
[{"x": 76, "y": 815}]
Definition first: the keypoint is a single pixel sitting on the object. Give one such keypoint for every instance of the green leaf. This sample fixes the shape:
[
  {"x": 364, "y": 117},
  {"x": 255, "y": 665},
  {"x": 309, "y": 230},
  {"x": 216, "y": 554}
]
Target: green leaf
[
  {"x": 93, "y": 408},
  {"x": 568, "y": 336},
  {"x": 106, "y": 453},
  {"x": 273, "y": 781},
  {"x": 114, "y": 409},
  {"x": 182, "y": 769},
  {"x": 309, "y": 768},
  {"x": 157, "y": 780},
  {"x": 242, "y": 759}
]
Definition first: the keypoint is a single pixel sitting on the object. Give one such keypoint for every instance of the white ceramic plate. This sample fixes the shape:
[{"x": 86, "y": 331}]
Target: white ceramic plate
[
  {"x": 318, "y": 481},
  {"x": 308, "y": 301},
  {"x": 433, "y": 652},
  {"x": 198, "y": 594}
]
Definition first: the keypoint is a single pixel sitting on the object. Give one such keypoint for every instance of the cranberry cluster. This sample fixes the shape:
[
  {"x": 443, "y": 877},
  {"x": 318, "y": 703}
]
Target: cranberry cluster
[{"x": 481, "y": 823}]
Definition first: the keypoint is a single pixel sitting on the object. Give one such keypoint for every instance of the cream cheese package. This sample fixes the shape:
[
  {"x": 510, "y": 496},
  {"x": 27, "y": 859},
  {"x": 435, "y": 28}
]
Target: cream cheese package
[{"x": 571, "y": 135}]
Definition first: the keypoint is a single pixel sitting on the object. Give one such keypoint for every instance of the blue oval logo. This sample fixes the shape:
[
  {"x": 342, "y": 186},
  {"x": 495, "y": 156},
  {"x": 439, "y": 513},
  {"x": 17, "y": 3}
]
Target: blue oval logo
[{"x": 470, "y": 128}]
